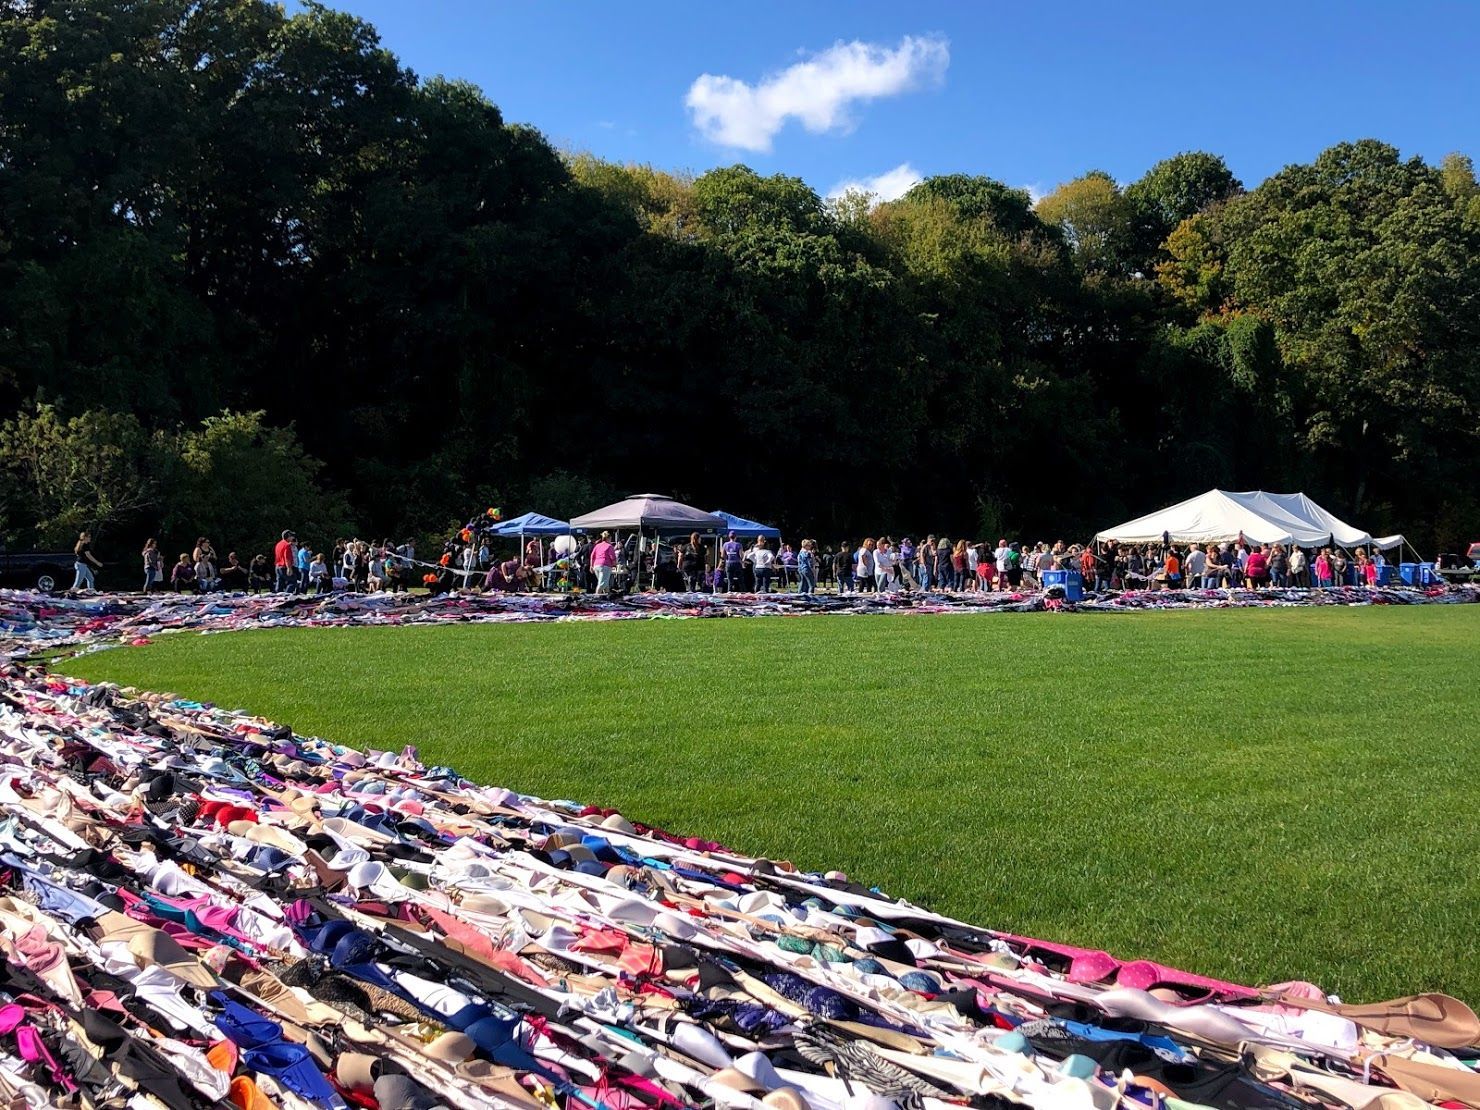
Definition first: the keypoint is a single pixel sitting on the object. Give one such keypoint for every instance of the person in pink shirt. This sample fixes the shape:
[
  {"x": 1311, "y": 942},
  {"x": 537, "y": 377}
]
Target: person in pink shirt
[
  {"x": 603, "y": 563},
  {"x": 1323, "y": 568},
  {"x": 1366, "y": 569},
  {"x": 1256, "y": 570}
]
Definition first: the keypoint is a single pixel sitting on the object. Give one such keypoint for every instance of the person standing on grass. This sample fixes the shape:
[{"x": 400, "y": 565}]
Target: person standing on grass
[
  {"x": 863, "y": 566},
  {"x": 1279, "y": 566},
  {"x": 942, "y": 571},
  {"x": 1299, "y": 569},
  {"x": 959, "y": 563},
  {"x": 1339, "y": 564},
  {"x": 1001, "y": 562},
  {"x": 1256, "y": 570},
  {"x": 925, "y": 564},
  {"x": 733, "y": 557},
  {"x": 153, "y": 565},
  {"x": 843, "y": 567},
  {"x": 1195, "y": 566},
  {"x": 787, "y": 561},
  {"x": 603, "y": 563},
  {"x": 883, "y": 566},
  {"x": 904, "y": 564},
  {"x": 283, "y": 553},
  {"x": 300, "y": 558},
  {"x": 1323, "y": 568},
  {"x": 807, "y": 568},
  {"x": 761, "y": 559},
  {"x": 691, "y": 565},
  {"x": 1088, "y": 564},
  {"x": 84, "y": 563}
]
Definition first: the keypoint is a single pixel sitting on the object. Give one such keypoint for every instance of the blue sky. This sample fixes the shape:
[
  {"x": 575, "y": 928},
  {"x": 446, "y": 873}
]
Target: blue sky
[{"x": 1029, "y": 94}]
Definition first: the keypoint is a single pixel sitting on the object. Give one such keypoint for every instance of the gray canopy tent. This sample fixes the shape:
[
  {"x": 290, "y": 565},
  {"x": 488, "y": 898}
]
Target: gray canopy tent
[{"x": 647, "y": 514}]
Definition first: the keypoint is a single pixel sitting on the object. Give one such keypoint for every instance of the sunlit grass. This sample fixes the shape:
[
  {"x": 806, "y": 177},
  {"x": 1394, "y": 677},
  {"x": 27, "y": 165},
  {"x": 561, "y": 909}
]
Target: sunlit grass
[{"x": 1253, "y": 794}]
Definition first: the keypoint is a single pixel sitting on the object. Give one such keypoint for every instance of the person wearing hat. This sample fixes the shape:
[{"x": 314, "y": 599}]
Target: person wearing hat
[
  {"x": 284, "y": 555},
  {"x": 603, "y": 563}
]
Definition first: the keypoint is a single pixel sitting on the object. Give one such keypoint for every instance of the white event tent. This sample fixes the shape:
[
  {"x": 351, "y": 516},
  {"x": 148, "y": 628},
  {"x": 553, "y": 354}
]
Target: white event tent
[{"x": 1220, "y": 516}]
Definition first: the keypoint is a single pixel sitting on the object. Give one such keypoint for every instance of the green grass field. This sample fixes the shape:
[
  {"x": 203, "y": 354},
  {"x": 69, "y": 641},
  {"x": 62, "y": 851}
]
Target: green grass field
[{"x": 1256, "y": 794}]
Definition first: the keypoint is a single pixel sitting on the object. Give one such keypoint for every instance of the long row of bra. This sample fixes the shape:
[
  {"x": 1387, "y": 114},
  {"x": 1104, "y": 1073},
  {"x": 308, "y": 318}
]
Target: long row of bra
[
  {"x": 30, "y": 621},
  {"x": 202, "y": 909}
]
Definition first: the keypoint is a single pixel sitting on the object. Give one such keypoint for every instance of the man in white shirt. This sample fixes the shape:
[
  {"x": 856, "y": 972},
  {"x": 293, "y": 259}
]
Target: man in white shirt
[{"x": 1194, "y": 565}]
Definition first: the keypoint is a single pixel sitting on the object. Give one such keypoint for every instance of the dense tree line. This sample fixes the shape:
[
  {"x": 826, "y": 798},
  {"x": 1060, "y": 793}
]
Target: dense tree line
[{"x": 234, "y": 242}]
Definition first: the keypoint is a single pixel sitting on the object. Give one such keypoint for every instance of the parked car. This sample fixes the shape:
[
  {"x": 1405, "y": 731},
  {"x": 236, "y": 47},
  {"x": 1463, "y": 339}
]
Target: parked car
[
  {"x": 34, "y": 570},
  {"x": 1453, "y": 568}
]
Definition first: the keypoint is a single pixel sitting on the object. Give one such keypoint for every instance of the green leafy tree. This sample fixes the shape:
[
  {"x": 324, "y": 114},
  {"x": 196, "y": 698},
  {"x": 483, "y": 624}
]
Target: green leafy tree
[
  {"x": 736, "y": 197},
  {"x": 1174, "y": 190},
  {"x": 1096, "y": 220},
  {"x": 96, "y": 470},
  {"x": 1368, "y": 273},
  {"x": 242, "y": 482}
]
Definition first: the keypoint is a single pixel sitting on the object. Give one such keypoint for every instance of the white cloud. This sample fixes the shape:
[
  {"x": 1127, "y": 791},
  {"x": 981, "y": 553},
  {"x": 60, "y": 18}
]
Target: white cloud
[
  {"x": 818, "y": 91},
  {"x": 1036, "y": 191},
  {"x": 889, "y": 185}
]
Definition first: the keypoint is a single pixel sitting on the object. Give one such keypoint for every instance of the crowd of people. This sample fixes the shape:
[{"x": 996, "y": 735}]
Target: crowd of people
[
  {"x": 598, "y": 564},
  {"x": 352, "y": 564},
  {"x": 961, "y": 566}
]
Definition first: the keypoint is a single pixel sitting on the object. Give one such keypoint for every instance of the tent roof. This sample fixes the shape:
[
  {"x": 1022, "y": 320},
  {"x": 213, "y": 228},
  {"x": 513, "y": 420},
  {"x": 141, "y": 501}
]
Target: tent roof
[
  {"x": 532, "y": 524},
  {"x": 1220, "y": 515},
  {"x": 742, "y": 527},
  {"x": 648, "y": 510}
]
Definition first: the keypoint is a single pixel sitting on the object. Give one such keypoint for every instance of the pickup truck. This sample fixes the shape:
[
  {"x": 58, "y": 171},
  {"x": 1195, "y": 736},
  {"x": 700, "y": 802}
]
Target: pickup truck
[{"x": 35, "y": 570}]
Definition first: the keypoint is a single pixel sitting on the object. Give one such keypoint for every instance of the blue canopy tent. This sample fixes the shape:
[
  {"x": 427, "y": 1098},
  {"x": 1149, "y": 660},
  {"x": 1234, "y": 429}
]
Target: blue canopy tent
[
  {"x": 745, "y": 529},
  {"x": 535, "y": 524}
]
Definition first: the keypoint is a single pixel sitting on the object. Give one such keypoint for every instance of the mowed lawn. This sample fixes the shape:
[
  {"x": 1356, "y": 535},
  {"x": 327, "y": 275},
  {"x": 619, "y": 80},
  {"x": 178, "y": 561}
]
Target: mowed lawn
[{"x": 1254, "y": 794}]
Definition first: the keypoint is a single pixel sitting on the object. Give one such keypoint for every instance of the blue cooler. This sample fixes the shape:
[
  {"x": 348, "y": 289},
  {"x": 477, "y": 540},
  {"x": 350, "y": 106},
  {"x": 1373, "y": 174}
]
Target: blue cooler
[
  {"x": 1386, "y": 573},
  {"x": 1427, "y": 575},
  {"x": 1071, "y": 581},
  {"x": 1408, "y": 573}
]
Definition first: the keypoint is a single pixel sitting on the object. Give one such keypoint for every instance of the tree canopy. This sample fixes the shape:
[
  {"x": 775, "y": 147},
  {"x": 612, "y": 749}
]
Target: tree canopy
[{"x": 253, "y": 268}]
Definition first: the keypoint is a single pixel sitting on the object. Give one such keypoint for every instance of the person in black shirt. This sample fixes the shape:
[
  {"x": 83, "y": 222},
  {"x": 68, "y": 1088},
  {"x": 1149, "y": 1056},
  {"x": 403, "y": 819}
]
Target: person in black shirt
[
  {"x": 691, "y": 562},
  {"x": 843, "y": 565},
  {"x": 233, "y": 575},
  {"x": 84, "y": 563},
  {"x": 259, "y": 574}
]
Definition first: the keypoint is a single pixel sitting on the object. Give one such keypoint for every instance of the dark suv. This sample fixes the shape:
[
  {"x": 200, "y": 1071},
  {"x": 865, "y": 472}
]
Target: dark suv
[{"x": 34, "y": 570}]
